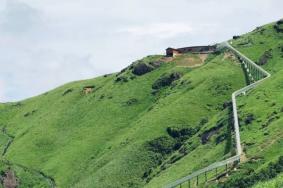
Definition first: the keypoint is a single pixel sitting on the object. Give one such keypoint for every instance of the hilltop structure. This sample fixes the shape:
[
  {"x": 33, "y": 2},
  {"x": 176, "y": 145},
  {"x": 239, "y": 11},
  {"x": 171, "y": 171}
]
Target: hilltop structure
[{"x": 172, "y": 52}]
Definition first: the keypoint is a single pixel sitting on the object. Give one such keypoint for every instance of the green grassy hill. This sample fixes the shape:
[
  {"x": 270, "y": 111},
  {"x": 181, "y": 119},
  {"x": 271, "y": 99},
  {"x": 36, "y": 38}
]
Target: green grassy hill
[
  {"x": 261, "y": 110},
  {"x": 150, "y": 124}
]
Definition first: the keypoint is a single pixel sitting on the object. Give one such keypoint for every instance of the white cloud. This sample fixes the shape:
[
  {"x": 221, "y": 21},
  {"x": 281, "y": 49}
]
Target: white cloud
[
  {"x": 160, "y": 30},
  {"x": 18, "y": 17}
]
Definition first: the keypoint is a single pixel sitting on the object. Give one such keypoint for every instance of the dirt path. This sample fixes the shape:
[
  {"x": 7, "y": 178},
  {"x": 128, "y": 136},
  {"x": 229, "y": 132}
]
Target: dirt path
[
  {"x": 243, "y": 157},
  {"x": 47, "y": 178}
]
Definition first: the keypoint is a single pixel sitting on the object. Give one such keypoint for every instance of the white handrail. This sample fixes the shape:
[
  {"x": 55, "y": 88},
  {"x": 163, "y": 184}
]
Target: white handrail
[{"x": 236, "y": 122}]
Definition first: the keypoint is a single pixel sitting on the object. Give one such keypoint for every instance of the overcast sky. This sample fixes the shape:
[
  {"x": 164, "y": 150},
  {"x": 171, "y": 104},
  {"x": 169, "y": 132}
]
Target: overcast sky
[{"x": 46, "y": 43}]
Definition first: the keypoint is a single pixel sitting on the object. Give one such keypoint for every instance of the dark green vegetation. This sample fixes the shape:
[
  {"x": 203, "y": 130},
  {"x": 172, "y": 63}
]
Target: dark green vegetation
[
  {"x": 150, "y": 124},
  {"x": 251, "y": 177}
]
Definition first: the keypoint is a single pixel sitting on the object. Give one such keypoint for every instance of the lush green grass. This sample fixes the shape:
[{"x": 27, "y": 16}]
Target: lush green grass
[
  {"x": 274, "y": 183},
  {"x": 101, "y": 138},
  {"x": 26, "y": 177},
  {"x": 262, "y": 139},
  {"x": 117, "y": 135}
]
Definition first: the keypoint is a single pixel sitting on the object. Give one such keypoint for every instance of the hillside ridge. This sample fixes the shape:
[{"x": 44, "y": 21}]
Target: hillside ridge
[
  {"x": 237, "y": 157},
  {"x": 156, "y": 121}
]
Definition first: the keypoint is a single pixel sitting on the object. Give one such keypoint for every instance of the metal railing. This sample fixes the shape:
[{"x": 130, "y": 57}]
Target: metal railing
[{"x": 256, "y": 75}]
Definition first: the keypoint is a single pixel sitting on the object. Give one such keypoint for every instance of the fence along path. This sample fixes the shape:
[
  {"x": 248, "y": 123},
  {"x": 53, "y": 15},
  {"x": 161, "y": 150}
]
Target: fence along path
[{"x": 256, "y": 75}]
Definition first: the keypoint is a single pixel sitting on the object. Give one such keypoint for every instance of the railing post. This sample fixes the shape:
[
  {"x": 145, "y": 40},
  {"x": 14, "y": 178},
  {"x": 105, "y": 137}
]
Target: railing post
[
  {"x": 226, "y": 169},
  {"x": 197, "y": 180},
  {"x": 216, "y": 172},
  {"x": 255, "y": 73}
]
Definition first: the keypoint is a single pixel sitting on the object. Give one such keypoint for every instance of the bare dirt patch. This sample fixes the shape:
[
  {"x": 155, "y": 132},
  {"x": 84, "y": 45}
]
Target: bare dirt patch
[
  {"x": 229, "y": 56},
  {"x": 88, "y": 89},
  {"x": 10, "y": 180},
  {"x": 203, "y": 57},
  {"x": 193, "y": 60},
  {"x": 243, "y": 157},
  {"x": 167, "y": 59}
]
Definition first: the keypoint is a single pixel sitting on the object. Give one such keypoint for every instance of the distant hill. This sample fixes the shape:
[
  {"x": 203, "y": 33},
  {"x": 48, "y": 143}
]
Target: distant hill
[{"x": 154, "y": 122}]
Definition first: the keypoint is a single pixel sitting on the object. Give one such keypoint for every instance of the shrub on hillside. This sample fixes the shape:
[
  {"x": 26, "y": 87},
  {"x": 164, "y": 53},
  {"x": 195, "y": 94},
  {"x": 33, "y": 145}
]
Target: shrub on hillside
[
  {"x": 279, "y": 26},
  {"x": 265, "y": 57},
  {"x": 30, "y": 113},
  {"x": 249, "y": 179},
  {"x": 203, "y": 121},
  {"x": 220, "y": 88},
  {"x": 163, "y": 145},
  {"x": 121, "y": 79},
  {"x": 281, "y": 48},
  {"x": 270, "y": 120},
  {"x": 249, "y": 119},
  {"x": 67, "y": 92},
  {"x": 206, "y": 135},
  {"x": 220, "y": 138},
  {"x": 259, "y": 29},
  {"x": 227, "y": 104},
  {"x": 236, "y": 37},
  {"x": 166, "y": 80},
  {"x": 131, "y": 101},
  {"x": 246, "y": 42},
  {"x": 179, "y": 132},
  {"x": 141, "y": 68}
]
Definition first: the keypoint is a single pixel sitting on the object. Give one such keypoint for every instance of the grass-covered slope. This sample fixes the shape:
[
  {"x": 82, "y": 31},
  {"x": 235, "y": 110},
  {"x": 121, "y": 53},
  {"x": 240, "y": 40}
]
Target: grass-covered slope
[
  {"x": 261, "y": 111},
  {"x": 154, "y": 122},
  {"x": 147, "y": 125}
]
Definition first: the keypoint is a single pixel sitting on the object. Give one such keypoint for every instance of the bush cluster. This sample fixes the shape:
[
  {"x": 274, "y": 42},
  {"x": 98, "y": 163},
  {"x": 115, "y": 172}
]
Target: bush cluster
[
  {"x": 163, "y": 145},
  {"x": 270, "y": 172},
  {"x": 220, "y": 88},
  {"x": 206, "y": 135},
  {"x": 142, "y": 68},
  {"x": 166, "y": 80},
  {"x": 131, "y": 101},
  {"x": 265, "y": 57},
  {"x": 177, "y": 132},
  {"x": 121, "y": 79},
  {"x": 249, "y": 119},
  {"x": 236, "y": 37},
  {"x": 67, "y": 92},
  {"x": 171, "y": 142},
  {"x": 279, "y": 26}
]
